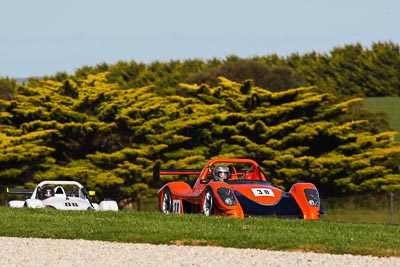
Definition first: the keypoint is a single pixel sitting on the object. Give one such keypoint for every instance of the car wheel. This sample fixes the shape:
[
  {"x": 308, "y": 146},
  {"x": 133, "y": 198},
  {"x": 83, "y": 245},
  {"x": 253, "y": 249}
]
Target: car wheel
[
  {"x": 166, "y": 202},
  {"x": 208, "y": 202}
]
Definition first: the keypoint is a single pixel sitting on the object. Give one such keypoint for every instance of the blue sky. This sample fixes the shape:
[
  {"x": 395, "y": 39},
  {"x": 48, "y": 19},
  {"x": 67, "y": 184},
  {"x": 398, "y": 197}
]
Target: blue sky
[{"x": 43, "y": 37}]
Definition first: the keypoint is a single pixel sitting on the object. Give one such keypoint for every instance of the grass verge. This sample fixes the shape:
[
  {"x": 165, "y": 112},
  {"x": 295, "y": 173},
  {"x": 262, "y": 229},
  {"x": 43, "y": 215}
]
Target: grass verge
[{"x": 323, "y": 236}]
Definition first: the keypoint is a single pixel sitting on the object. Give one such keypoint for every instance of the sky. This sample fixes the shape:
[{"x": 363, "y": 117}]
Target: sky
[{"x": 43, "y": 37}]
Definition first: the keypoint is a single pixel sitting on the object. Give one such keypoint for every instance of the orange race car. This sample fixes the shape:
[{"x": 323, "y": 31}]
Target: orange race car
[{"x": 236, "y": 188}]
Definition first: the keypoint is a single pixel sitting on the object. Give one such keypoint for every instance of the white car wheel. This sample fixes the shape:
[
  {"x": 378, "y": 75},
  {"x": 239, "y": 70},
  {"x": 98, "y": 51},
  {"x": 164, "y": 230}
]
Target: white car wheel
[
  {"x": 166, "y": 204},
  {"x": 208, "y": 202}
]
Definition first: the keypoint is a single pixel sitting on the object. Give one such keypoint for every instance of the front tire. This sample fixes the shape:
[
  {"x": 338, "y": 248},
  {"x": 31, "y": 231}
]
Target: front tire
[
  {"x": 208, "y": 202},
  {"x": 166, "y": 201}
]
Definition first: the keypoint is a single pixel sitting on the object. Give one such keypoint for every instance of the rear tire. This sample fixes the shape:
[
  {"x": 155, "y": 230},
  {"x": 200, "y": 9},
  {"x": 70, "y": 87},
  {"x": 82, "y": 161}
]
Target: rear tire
[
  {"x": 208, "y": 202},
  {"x": 166, "y": 201}
]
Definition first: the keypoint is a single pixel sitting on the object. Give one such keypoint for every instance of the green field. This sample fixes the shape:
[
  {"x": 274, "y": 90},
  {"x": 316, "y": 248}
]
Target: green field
[
  {"x": 153, "y": 227},
  {"x": 389, "y": 105}
]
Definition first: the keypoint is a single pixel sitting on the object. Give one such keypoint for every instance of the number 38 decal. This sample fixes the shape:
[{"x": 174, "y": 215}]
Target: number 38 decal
[{"x": 263, "y": 192}]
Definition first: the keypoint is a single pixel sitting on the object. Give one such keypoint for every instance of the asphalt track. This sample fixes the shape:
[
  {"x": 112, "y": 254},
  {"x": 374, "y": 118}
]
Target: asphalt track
[{"x": 61, "y": 252}]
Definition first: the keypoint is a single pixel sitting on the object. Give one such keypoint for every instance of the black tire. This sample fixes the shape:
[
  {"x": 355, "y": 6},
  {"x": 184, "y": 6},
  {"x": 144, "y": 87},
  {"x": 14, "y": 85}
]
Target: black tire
[
  {"x": 208, "y": 202},
  {"x": 166, "y": 201}
]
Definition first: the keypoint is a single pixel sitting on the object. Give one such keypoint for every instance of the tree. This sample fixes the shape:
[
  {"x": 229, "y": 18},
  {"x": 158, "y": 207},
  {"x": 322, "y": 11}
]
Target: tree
[
  {"x": 95, "y": 128},
  {"x": 8, "y": 88}
]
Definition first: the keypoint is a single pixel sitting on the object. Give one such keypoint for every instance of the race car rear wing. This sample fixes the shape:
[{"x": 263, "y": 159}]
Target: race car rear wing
[
  {"x": 27, "y": 193},
  {"x": 20, "y": 191},
  {"x": 157, "y": 171}
]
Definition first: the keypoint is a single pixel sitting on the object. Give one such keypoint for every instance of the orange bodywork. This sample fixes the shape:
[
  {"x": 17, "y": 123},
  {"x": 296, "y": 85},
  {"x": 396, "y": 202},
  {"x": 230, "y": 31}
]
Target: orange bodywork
[
  {"x": 246, "y": 193},
  {"x": 309, "y": 212}
]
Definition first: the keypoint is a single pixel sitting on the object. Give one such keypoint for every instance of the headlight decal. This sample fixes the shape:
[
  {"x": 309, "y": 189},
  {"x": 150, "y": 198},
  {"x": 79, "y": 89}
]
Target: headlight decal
[
  {"x": 226, "y": 195},
  {"x": 312, "y": 196}
]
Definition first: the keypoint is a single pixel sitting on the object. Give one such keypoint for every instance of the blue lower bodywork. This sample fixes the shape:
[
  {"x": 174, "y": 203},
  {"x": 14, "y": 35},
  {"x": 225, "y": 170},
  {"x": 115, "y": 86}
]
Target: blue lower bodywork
[{"x": 286, "y": 207}]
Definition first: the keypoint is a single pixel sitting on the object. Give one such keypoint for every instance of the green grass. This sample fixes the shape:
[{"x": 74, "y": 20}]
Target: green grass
[
  {"x": 366, "y": 208},
  {"x": 389, "y": 105},
  {"x": 153, "y": 227},
  {"x": 363, "y": 215}
]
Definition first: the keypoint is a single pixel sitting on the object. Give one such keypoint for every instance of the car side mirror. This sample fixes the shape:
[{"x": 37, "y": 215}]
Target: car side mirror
[{"x": 205, "y": 181}]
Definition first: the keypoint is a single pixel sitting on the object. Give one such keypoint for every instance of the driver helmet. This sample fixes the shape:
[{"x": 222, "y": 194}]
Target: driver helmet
[
  {"x": 221, "y": 173},
  {"x": 47, "y": 191}
]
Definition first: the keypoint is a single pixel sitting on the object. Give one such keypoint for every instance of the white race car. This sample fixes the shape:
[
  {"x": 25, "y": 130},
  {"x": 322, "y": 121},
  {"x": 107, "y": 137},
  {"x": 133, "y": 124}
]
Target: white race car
[{"x": 60, "y": 195}]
